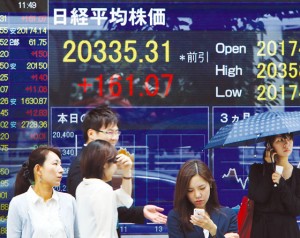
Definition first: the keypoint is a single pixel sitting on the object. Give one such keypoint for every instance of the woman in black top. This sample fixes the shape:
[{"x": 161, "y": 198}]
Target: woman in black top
[{"x": 276, "y": 196}]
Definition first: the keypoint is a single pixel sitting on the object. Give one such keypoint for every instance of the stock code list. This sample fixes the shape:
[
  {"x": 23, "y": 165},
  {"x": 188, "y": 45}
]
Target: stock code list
[{"x": 23, "y": 90}]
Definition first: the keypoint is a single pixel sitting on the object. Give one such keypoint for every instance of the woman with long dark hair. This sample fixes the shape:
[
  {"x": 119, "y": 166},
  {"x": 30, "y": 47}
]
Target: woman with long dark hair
[
  {"x": 196, "y": 188},
  {"x": 37, "y": 210}
]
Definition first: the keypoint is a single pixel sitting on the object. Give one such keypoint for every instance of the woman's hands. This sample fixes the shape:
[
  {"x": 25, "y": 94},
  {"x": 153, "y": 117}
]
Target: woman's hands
[
  {"x": 270, "y": 158},
  {"x": 270, "y": 155},
  {"x": 204, "y": 222},
  {"x": 232, "y": 235},
  {"x": 276, "y": 177},
  {"x": 125, "y": 164}
]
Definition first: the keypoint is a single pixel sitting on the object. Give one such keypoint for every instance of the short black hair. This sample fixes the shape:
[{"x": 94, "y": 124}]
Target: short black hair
[
  {"x": 97, "y": 118},
  {"x": 271, "y": 139}
]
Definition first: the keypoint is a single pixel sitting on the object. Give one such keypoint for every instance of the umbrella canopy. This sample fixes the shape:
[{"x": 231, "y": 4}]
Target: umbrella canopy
[{"x": 255, "y": 128}]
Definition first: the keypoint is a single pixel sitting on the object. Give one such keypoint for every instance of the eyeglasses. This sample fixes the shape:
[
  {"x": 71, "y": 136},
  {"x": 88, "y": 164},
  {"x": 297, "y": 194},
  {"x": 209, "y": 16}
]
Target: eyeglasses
[{"x": 110, "y": 133}]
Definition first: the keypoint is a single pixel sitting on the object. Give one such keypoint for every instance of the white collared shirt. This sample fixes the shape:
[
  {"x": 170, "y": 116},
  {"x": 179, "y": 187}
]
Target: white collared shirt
[
  {"x": 97, "y": 205},
  {"x": 45, "y": 217}
]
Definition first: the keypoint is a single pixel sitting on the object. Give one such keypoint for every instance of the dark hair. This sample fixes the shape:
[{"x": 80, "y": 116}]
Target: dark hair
[
  {"x": 25, "y": 176},
  {"x": 181, "y": 202},
  {"x": 97, "y": 118},
  {"x": 94, "y": 157},
  {"x": 271, "y": 139}
]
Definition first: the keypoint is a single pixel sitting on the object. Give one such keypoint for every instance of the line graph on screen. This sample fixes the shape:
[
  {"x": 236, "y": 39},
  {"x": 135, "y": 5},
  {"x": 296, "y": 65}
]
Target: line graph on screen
[{"x": 232, "y": 174}]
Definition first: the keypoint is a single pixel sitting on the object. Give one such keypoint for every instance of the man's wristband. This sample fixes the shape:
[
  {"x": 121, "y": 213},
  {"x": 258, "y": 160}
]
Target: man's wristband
[{"x": 127, "y": 177}]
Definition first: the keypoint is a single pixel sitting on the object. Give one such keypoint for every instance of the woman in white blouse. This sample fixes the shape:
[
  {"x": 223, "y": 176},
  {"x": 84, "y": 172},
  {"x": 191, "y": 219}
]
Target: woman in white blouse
[
  {"x": 97, "y": 202},
  {"x": 37, "y": 210}
]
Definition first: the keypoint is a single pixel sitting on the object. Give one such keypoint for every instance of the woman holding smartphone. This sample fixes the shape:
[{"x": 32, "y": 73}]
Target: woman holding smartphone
[
  {"x": 276, "y": 194},
  {"x": 196, "y": 189}
]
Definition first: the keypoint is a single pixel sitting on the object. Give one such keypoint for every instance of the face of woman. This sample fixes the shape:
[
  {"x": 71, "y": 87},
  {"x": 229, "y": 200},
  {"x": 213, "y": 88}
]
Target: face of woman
[
  {"x": 109, "y": 171},
  {"x": 283, "y": 145},
  {"x": 198, "y": 191},
  {"x": 51, "y": 171}
]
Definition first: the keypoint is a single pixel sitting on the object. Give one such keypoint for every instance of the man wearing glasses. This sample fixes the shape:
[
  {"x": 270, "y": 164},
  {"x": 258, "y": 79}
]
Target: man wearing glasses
[{"x": 102, "y": 123}]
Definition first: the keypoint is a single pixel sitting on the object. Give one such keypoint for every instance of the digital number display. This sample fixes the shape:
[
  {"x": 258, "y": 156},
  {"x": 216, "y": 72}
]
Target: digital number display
[
  {"x": 100, "y": 55},
  {"x": 175, "y": 72}
]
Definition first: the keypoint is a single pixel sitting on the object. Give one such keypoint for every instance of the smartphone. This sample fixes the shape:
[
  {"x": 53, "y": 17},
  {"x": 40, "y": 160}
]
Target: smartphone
[
  {"x": 199, "y": 212},
  {"x": 273, "y": 154}
]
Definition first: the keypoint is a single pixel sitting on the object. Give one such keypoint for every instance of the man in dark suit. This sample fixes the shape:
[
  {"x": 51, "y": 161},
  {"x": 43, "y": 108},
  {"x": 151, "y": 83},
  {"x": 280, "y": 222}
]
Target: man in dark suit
[{"x": 102, "y": 123}]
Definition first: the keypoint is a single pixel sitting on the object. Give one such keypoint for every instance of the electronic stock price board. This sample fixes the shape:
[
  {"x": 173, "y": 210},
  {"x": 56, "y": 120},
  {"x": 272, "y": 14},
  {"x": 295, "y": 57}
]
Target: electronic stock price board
[{"x": 174, "y": 71}]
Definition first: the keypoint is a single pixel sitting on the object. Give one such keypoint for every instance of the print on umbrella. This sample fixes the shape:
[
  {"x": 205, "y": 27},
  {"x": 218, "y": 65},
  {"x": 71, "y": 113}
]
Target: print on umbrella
[{"x": 254, "y": 129}]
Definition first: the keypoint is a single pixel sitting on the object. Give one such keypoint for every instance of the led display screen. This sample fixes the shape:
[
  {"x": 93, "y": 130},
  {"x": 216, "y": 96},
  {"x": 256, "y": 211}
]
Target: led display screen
[{"x": 175, "y": 72}]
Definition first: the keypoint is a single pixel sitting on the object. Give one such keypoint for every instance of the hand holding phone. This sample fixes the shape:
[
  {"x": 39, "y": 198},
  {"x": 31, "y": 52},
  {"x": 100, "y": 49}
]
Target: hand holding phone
[
  {"x": 273, "y": 156},
  {"x": 279, "y": 170},
  {"x": 270, "y": 154},
  {"x": 199, "y": 212}
]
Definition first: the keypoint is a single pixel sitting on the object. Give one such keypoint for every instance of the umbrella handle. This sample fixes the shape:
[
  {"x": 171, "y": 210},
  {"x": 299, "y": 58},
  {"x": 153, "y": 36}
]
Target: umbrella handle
[
  {"x": 273, "y": 159},
  {"x": 274, "y": 166}
]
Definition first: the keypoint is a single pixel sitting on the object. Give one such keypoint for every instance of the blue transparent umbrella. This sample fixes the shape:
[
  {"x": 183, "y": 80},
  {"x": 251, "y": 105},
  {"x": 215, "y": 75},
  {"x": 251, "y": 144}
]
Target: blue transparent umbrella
[{"x": 254, "y": 129}]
